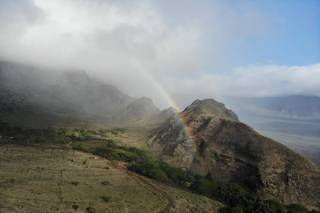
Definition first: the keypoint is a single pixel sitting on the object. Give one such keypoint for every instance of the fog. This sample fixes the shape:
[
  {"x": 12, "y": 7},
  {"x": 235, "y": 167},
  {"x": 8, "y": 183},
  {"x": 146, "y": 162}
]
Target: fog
[{"x": 144, "y": 48}]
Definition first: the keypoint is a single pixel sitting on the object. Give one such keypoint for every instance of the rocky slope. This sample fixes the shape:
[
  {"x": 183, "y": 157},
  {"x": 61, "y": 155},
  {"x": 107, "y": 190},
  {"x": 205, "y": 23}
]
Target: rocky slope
[{"x": 209, "y": 139}]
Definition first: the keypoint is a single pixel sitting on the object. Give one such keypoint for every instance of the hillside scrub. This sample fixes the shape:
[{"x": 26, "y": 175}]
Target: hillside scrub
[{"x": 236, "y": 197}]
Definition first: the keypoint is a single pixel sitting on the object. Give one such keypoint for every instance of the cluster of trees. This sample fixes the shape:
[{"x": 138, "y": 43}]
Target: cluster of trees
[
  {"x": 236, "y": 198},
  {"x": 87, "y": 134},
  {"x": 25, "y": 136}
]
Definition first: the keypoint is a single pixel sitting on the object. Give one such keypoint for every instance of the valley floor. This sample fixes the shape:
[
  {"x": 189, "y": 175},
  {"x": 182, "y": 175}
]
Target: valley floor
[
  {"x": 51, "y": 179},
  {"x": 307, "y": 146}
]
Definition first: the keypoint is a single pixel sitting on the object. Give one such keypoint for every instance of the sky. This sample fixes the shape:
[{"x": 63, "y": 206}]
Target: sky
[{"x": 172, "y": 49}]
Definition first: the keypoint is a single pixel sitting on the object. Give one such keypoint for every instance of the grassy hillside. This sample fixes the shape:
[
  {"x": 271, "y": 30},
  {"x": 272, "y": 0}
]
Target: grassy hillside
[{"x": 50, "y": 179}]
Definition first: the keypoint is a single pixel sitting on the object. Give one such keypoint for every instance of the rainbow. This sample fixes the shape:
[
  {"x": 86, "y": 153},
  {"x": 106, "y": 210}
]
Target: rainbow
[{"x": 164, "y": 94}]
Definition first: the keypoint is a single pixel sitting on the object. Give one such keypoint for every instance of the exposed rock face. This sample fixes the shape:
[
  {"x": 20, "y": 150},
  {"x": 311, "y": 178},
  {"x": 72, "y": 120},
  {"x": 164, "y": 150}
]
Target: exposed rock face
[{"x": 209, "y": 139}]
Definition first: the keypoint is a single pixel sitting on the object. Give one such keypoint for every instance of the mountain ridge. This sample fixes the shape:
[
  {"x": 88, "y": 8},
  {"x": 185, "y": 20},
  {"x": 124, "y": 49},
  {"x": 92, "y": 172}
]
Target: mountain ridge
[{"x": 230, "y": 150}]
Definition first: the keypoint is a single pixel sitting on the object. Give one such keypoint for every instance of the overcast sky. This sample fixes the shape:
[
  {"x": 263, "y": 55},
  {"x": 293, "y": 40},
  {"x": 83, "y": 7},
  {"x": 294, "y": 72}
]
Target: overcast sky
[{"x": 191, "y": 49}]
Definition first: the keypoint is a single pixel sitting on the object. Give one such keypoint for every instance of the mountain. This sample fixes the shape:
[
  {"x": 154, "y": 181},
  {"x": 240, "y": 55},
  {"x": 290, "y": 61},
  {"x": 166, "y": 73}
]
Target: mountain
[
  {"x": 47, "y": 97},
  {"x": 164, "y": 115},
  {"x": 140, "y": 108},
  {"x": 209, "y": 139}
]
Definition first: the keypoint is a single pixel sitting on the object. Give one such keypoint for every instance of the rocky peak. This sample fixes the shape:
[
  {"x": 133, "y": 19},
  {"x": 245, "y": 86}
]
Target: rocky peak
[{"x": 209, "y": 107}]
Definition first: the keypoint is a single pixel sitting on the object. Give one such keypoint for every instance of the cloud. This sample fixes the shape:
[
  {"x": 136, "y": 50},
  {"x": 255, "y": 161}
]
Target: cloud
[
  {"x": 274, "y": 80},
  {"x": 15, "y": 18},
  {"x": 250, "y": 81},
  {"x": 96, "y": 35},
  {"x": 137, "y": 44}
]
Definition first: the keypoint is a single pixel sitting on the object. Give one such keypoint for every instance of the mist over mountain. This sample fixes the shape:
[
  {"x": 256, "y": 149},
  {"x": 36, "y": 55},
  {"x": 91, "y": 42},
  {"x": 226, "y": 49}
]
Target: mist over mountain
[
  {"x": 47, "y": 97},
  {"x": 206, "y": 138},
  {"x": 51, "y": 97}
]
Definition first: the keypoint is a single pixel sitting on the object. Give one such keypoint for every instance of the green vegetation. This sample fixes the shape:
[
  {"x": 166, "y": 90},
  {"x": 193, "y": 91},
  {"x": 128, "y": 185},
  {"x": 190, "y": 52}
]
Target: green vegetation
[
  {"x": 91, "y": 210},
  {"x": 32, "y": 136},
  {"x": 106, "y": 199},
  {"x": 116, "y": 131},
  {"x": 296, "y": 208},
  {"x": 237, "y": 198}
]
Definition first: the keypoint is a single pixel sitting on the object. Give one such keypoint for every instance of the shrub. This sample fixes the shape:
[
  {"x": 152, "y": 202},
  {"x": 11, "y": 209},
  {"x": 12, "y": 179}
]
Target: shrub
[
  {"x": 150, "y": 169},
  {"x": 75, "y": 183},
  {"x": 106, "y": 198},
  {"x": 75, "y": 206},
  {"x": 91, "y": 210},
  {"x": 296, "y": 208},
  {"x": 106, "y": 183},
  {"x": 236, "y": 209},
  {"x": 116, "y": 154}
]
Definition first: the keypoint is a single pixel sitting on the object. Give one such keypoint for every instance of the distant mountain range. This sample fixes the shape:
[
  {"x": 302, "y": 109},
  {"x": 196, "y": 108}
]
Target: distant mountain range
[{"x": 295, "y": 106}]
